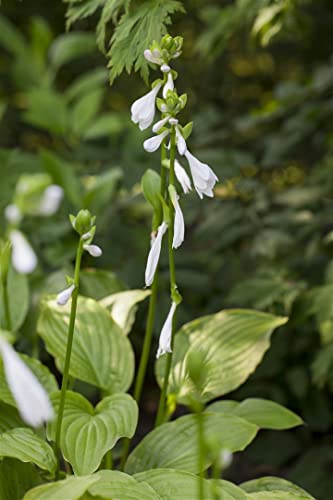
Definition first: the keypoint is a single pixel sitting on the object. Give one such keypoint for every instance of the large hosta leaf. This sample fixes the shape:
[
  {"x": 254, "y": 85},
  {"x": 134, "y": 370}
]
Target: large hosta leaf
[
  {"x": 71, "y": 488},
  {"x": 274, "y": 484},
  {"x": 26, "y": 446},
  {"x": 261, "y": 412},
  {"x": 42, "y": 373},
  {"x": 123, "y": 306},
  {"x": 98, "y": 283},
  {"x": 119, "y": 486},
  {"x": 174, "y": 445},
  {"x": 16, "y": 478},
  {"x": 232, "y": 344},
  {"x": 18, "y": 293},
  {"x": 88, "y": 432},
  {"x": 9, "y": 418},
  {"x": 101, "y": 354}
]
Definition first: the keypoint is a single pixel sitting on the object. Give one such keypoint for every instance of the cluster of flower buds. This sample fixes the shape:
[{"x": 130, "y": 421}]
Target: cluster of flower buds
[
  {"x": 84, "y": 224},
  {"x": 170, "y": 104}
]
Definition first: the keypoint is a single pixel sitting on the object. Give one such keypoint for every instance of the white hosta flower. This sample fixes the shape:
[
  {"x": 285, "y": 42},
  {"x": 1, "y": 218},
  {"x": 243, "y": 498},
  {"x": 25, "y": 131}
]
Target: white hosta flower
[
  {"x": 168, "y": 86},
  {"x": 143, "y": 109},
  {"x": 182, "y": 177},
  {"x": 23, "y": 257},
  {"x": 165, "y": 68},
  {"x": 13, "y": 214},
  {"x": 203, "y": 176},
  {"x": 154, "y": 254},
  {"x": 166, "y": 333},
  {"x": 181, "y": 143},
  {"x": 179, "y": 224},
  {"x": 153, "y": 143},
  {"x": 51, "y": 200},
  {"x": 158, "y": 125},
  {"x": 94, "y": 250},
  {"x": 64, "y": 296},
  {"x": 31, "y": 398},
  {"x": 153, "y": 56}
]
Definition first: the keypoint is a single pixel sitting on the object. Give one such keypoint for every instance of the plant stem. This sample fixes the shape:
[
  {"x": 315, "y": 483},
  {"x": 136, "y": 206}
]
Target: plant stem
[
  {"x": 6, "y": 305},
  {"x": 70, "y": 336},
  {"x": 173, "y": 284}
]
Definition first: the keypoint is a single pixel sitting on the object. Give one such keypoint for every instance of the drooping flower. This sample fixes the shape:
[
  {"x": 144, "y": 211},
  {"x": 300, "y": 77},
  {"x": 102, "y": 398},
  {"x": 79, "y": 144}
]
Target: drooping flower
[
  {"x": 64, "y": 296},
  {"x": 13, "y": 214},
  {"x": 51, "y": 200},
  {"x": 153, "y": 56},
  {"x": 143, "y": 109},
  {"x": 93, "y": 250},
  {"x": 182, "y": 177},
  {"x": 179, "y": 224},
  {"x": 166, "y": 333},
  {"x": 23, "y": 257},
  {"x": 168, "y": 86},
  {"x": 181, "y": 143},
  {"x": 203, "y": 176},
  {"x": 158, "y": 125},
  {"x": 153, "y": 143},
  {"x": 154, "y": 254},
  {"x": 31, "y": 398}
]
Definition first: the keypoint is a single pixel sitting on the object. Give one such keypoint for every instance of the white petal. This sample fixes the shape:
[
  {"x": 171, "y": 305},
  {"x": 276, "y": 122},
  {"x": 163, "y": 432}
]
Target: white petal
[
  {"x": 23, "y": 257},
  {"x": 168, "y": 86},
  {"x": 31, "y": 398},
  {"x": 158, "y": 125},
  {"x": 182, "y": 177},
  {"x": 152, "y": 144},
  {"x": 166, "y": 333},
  {"x": 165, "y": 68},
  {"x": 181, "y": 143},
  {"x": 143, "y": 109},
  {"x": 204, "y": 178},
  {"x": 179, "y": 225},
  {"x": 64, "y": 296},
  {"x": 154, "y": 254},
  {"x": 13, "y": 214},
  {"x": 153, "y": 57},
  {"x": 94, "y": 250},
  {"x": 51, "y": 200}
]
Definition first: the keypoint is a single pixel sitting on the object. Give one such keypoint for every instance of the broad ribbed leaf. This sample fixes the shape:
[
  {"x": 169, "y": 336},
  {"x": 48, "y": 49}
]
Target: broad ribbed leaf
[
  {"x": 26, "y": 446},
  {"x": 98, "y": 283},
  {"x": 274, "y": 484},
  {"x": 101, "y": 354},
  {"x": 18, "y": 294},
  {"x": 123, "y": 306},
  {"x": 276, "y": 495},
  {"x": 88, "y": 432},
  {"x": 232, "y": 344},
  {"x": 120, "y": 486},
  {"x": 9, "y": 418},
  {"x": 174, "y": 445},
  {"x": 16, "y": 478},
  {"x": 261, "y": 412},
  {"x": 71, "y": 488},
  {"x": 42, "y": 373}
]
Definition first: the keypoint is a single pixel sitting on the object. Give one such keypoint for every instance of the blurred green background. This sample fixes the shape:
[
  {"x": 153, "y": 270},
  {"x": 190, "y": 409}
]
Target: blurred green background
[{"x": 259, "y": 78}]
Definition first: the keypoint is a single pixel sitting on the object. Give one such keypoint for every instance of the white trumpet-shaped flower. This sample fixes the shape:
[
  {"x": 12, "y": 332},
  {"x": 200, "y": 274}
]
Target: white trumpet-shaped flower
[
  {"x": 158, "y": 125},
  {"x": 31, "y": 398},
  {"x": 23, "y": 257},
  {"x": 154, "y": 254},
  {"x": 94, "y": 250},
  {"x": 51, "y": 200},
  {"x": 203, "y": 176},
  {"x": 64, "y": 296},
  {"x": 153, "y": 56},
  {"x": 168, "y": 86},
  {"x": 179, "y": 224},
  {"x": 143, "y": 109},
  {"x": 181, "y": 143},
  {"x": 153, "y": 143},
  {"x": 166, "y": 333},
  {"x": 182, "y": 177},
  {"x": 13, "y": 214}
]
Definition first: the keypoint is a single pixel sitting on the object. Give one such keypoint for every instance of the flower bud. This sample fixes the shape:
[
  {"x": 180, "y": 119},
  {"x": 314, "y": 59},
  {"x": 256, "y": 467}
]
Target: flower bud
[{"x": 83, "y": 222}]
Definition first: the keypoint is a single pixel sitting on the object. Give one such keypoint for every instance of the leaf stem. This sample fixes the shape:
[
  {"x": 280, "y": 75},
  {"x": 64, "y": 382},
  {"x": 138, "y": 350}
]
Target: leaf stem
[
  {"x": 70, "y": 337},
  {"x": 173, "y": 285}
]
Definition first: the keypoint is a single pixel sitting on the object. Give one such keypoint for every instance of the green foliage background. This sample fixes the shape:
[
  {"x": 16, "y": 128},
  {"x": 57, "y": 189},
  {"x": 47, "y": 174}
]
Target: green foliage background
[{"x": 259, "y": 77}]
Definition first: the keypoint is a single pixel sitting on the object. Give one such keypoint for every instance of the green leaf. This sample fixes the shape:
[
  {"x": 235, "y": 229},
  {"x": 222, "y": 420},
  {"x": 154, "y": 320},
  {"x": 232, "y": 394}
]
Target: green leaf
[
  {"x": 105, "y": 125},
  {"x": 42, "y": 104},
  {"x": 119, "y": 486},
  {"x": 226, "y": 490},
  {"x": 261, "y": 412},
  {"x": 97, "y": 283},
  {"x": 70, "y": 46},
  {"x": 110, "y": 12},
  {"x": 16, "y": 478},
  {"x": 274, "y": 484},
  {"x": 135, "y": 32},
  {"x": 100, "y": 189},
  {"x": 174, "y": 445},
  {"x": 123, "y": 307},
  {"x": 26, "y": 446},
  {"x": 11, "y": 38},
  {"x": 151, "y": 188},
  {"x": 88, "y": 433},
  {"x": 18, "y": 293},
  {"x": 81, "y": 10},
  {"x": 71, "y": 488},
  {"x": 42, "y": 373},
  {"x": 276, "y": 495},
  {"x": 232, "y": 344},
  {"x": 86, "y": 83},
  {"x": 101, "y": 354},
  {"x": 85, "y": 110},
  {"x": 9, "y": 418}
]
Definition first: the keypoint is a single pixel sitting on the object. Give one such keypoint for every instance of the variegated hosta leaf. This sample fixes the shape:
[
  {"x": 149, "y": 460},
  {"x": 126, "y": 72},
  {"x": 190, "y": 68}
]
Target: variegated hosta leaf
[
  {"x": 71, "y": 488},
  {"x": 88, "y": 432},
  {"x": 275, "y": 485},
  {"x": 119, "y": 486},
  {"x": 9, "y": 418},
  {"x": 231, "y": 343},
  {"x": 101, "y": 354},
  {"x": 175, "y": 444},
  {"x": 18, "y": 294}
]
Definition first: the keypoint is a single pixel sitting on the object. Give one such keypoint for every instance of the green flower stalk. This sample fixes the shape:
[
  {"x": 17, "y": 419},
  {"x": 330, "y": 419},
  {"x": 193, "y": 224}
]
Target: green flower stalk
[{"x": 5, "y": 257}]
